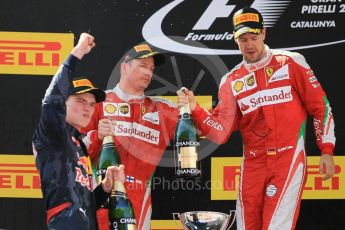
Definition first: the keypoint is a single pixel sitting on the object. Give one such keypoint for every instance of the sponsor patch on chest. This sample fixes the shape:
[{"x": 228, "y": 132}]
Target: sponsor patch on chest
[
  {"x": 137, "y": 131},
  {"x": 111, "y": 109},
  {"x": 151, "y": 117},
  {"x": 278, "y": 75},
  {"x": 243, "y": 84},
  {"x": 265, "y": 97},
  {"x": 271, "y": 190}
]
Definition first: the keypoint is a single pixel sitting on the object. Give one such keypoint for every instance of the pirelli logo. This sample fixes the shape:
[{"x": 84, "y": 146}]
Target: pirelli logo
[
  {"x": 82, "y": 82},
  {"x": 33, "y": 53},
  {"x": 19, "y": 177},
  {"x": 247, "y": 17},
  {"x": 143, "y": 47},
  {"x": 225, "y": 174}
]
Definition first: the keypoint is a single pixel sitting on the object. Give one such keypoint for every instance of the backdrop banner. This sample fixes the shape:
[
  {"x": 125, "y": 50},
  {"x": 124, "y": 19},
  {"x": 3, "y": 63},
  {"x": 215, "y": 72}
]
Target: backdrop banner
[{"x": 197, "y": 39}]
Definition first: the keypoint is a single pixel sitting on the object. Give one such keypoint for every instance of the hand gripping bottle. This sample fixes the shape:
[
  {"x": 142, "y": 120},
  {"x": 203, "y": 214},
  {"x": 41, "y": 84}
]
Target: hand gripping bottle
[{"x": 186, "y": 146}]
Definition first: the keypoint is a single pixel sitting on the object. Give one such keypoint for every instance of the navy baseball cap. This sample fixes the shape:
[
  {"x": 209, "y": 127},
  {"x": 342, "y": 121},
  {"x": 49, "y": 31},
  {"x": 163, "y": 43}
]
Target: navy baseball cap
[
  {"x": 84, "y": 85},
  {"x": 247, "y": 20}
]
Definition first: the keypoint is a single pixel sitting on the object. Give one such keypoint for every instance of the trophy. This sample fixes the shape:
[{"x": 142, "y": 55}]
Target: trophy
[{"x": 206, "y": 220}]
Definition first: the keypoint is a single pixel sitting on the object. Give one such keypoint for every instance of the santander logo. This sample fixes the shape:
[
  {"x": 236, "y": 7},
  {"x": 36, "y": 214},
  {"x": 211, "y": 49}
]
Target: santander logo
[
  {"x": 137, "y": 131},
  {"x": 265, "y": 97},
  {"x": 244, "y": 107}
]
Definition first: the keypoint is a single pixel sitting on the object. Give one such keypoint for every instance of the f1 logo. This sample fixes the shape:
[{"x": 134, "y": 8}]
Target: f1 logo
[{"x": 217, "y": 9}]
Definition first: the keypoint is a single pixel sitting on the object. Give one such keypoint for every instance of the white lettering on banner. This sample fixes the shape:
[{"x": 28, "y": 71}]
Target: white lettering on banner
[
  {"x": 312, "y": 24},
  {"x": 318, "y": 9},
  {"x": 137, "y": 131},
  {"x": 280, "y": 74},
  {"x": 265, "y": 97},
  {"x": 208, "y": 37}
]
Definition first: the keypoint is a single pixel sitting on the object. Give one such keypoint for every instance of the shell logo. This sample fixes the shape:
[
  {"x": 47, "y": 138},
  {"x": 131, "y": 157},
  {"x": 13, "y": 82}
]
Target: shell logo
[
  {"x": 110, "y": 108},
  {"x": 238, "y": 86}
]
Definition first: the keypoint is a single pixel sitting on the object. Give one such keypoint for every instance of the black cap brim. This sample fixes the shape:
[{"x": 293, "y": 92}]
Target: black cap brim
[
  {"x": 158, "y": 58},
  {"x": 98, "y": 93}
]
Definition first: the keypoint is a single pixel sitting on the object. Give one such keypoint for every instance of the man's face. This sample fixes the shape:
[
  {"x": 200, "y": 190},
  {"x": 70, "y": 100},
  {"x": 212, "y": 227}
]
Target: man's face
[
  {"x": 79, "y": 109},
  {"x": 252, "y": 46},
  {"x": 138, "y": 73}
]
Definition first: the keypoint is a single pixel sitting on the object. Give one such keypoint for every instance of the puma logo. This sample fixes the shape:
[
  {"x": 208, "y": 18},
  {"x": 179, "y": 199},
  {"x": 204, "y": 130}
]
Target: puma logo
[
  {"x": 83, "y": 211},
  {"x": 253, "y": 153}
]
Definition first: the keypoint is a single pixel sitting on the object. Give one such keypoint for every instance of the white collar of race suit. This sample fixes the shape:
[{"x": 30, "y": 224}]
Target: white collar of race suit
[
  {"x": 125, "y": 96},
  {"x": 251, "y": 67}
]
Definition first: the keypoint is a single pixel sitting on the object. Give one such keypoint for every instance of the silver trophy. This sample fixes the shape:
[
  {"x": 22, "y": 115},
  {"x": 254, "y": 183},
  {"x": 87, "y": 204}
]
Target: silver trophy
[{"x": 206, "y": 220}]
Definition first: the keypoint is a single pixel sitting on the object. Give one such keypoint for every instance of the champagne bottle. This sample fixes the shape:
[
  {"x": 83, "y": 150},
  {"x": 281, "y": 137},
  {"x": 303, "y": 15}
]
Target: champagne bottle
[
  {"x": 121, "y": 212},
  {"x": 108, "y": 157},
  {"x": 120, "y": 209},
  {"x": 186, "y": 146}
]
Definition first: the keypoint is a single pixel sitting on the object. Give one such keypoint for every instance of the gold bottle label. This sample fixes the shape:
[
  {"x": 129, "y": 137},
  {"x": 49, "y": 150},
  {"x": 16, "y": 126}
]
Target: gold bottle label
[
  {"x": 131, "y": 227},
  {"x": 188, "y": 157}
]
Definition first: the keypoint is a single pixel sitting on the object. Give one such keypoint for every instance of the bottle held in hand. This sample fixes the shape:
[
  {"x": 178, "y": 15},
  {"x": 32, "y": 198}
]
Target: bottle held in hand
[
  {"x": 120, "y": 209},
  {"x": 107, "y": 157},
  {"x": 121, "y": 212},
  {"x": 186, "y": 146}
]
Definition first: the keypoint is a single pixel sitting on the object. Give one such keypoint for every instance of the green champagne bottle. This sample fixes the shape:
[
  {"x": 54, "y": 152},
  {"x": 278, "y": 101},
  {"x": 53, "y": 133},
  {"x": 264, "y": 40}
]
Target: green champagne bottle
[
  {"x": 186, "y": 146},
  {"x": 121, "y": 212},
  {"x": 107, "y": 157}
]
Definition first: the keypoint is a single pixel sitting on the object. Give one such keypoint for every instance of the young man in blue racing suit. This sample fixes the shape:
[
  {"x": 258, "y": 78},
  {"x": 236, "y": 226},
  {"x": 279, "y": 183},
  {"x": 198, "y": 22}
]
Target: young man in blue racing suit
[{"x": 61, "y": 156}]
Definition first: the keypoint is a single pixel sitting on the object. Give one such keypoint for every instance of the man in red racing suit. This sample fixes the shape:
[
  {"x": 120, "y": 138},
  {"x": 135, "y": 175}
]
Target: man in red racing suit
[
  {"x": 143, "y": 128},
  {"x": 268, "y": 100}
]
